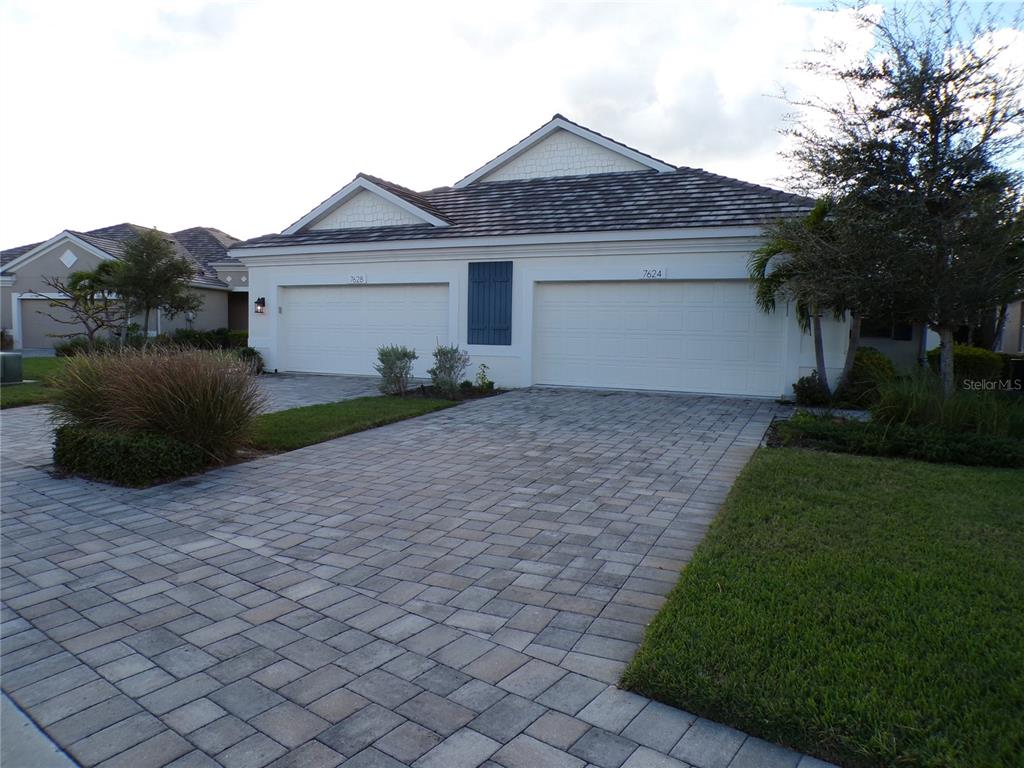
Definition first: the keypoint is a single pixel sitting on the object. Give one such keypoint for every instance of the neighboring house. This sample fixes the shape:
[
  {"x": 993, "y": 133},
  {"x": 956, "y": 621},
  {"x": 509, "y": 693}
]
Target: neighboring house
[
  {"x": 220, "y": 279},
  {"x": 1013, "y": 331},
  {"x": 569, "y": 259}
]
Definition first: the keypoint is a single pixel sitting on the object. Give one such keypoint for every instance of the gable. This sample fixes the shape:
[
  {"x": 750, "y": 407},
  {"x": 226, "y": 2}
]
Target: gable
[
  {"x": 362, "y": 210},
  {"x": 54, "y": 262},
  {"x": 562, "y": 154},
  {"x": 562, "y": 148},
  {"x": 58, "y": 256},
  {"x": 366, "y": 202}
]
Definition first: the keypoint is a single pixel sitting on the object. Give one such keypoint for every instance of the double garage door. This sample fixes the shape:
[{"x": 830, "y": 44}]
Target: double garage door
[
  {"x": 337, "y": 329},
  {"x": 688, "y": 336}
]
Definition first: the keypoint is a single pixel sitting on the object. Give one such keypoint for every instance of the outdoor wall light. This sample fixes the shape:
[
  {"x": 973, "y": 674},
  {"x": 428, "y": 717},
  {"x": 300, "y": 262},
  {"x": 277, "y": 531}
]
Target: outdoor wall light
[{"x": 260, "y": 306}]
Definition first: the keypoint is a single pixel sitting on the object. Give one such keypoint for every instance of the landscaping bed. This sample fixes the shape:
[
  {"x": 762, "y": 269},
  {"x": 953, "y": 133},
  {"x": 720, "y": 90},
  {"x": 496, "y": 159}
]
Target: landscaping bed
[
  {"x": 925, "y": 443},
  {"x": 864, "y": 610}
]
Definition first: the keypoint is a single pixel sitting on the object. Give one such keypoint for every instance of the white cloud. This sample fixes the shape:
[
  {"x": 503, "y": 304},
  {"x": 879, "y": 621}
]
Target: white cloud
[{"x": 245, "y": 115}]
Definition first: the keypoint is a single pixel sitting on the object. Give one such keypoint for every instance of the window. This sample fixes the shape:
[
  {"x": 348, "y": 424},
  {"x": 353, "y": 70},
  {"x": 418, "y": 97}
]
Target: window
[
  {"x": 490, "y": 302},
  {"x": 886, "y": 329}
]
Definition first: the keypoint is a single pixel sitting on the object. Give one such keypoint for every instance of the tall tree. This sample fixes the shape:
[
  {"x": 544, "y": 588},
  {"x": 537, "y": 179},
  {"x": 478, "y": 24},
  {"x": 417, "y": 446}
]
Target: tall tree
[
  {"x": 150, "y": 275},
  {"x": 86, "y": 299},
  {"x": 919, "y": 151}
]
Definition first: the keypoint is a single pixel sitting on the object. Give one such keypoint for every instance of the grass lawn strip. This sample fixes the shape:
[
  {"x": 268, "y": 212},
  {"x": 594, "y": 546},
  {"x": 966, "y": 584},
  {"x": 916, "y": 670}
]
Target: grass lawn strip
[
  {"x": 865, "y": 610},
  {"x": 298, "y": 427},
  {"x": 36, "y": 391}
]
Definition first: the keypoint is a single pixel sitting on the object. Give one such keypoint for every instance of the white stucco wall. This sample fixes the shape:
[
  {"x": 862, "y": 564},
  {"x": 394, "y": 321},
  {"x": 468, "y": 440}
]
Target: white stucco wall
[
  {"x": 562, "y": 154},
  {"x": 690, "y": 258},
  {"x": 365, "y": 209}
]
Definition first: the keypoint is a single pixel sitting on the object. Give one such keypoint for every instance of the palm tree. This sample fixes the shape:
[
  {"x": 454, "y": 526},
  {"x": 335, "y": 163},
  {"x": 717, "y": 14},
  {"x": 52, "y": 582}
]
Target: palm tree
[{"x": 788, "y": 268}]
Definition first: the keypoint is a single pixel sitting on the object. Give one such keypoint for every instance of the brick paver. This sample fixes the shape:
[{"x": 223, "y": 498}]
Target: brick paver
[{"x": 456, "y": 590}]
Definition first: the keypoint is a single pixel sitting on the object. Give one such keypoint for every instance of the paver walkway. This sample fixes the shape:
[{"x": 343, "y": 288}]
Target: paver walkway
[
  {"x": 460, "y": 589},
  {"x": 293, "y": 390}
]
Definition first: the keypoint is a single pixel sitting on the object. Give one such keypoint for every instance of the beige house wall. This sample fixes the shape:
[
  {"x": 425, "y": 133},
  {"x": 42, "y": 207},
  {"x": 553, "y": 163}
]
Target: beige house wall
[{"x": 213, "y": 314}]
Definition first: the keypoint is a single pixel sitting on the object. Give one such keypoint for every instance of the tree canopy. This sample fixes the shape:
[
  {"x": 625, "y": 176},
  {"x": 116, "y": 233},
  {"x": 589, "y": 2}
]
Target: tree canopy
[{"x": 926, "y": 217}]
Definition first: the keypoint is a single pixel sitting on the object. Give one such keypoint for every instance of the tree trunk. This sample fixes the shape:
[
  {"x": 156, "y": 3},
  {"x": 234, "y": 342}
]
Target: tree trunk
[
  {"x": 819, "y": 351},
  {"x": 922, "y": 345},
  {"x": 946, "y": 360},
  {"x": 997, "y": 339},
  {"x": 145, "y": 326},
  {"x": 851, "y": 351}
]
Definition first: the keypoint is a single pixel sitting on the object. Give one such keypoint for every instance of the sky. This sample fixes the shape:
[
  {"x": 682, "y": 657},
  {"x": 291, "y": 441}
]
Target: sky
[{"x": 245, "y": 115}]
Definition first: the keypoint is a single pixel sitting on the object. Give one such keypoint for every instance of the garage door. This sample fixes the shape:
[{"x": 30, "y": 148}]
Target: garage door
[
  {"x": 692, "y": 336},
  {"x": 337, "y": 329},
  {"x": 38, "y": 328}
]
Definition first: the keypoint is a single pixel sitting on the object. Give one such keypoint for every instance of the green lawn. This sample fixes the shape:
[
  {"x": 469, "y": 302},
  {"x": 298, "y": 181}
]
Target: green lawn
[
  {"x": 35, "y": 392},
  {"x": 868, "y": 611},
  {"x": 297, "y": 427}
]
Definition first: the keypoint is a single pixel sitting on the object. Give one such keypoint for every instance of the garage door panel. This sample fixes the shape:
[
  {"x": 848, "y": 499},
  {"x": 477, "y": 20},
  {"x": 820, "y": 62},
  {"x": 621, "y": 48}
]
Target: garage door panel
[
  {"x": 695, "y": 336},
  {"x": 337, "y": 329}
]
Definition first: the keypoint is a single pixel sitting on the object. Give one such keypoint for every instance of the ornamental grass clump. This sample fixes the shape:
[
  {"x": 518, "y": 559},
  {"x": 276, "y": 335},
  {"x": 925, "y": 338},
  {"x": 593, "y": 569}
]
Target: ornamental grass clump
[
  {"x": 918, "y": 401},
  {"x": 201, "y": 398}
]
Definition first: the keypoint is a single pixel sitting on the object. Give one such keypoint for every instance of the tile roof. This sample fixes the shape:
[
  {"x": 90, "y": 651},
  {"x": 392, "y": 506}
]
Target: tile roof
[
  {"x": 202, "y": 246},
  {"x": 607, "y": 202}
]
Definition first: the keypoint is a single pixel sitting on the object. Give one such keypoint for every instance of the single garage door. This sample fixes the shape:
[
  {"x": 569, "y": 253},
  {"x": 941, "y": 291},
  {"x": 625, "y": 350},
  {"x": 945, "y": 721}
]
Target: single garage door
[
  {"x": 337, "y": 329},
  {"x": 38, "y": 328},
  {"x": 687, "y": 336}
]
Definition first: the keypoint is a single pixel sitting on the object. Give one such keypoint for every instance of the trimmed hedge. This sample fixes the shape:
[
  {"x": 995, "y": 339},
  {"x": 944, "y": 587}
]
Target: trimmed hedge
[
  {"x": 124, "y": 458},
  {"x": 219, "y": 338},
  {"x": 970, "y": 364},
  {"x": 805, "y": 430}
]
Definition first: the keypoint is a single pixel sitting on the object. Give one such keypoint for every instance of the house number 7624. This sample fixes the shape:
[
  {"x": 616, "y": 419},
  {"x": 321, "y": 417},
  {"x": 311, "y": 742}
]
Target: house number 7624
[{"x": 652, "y": 273}]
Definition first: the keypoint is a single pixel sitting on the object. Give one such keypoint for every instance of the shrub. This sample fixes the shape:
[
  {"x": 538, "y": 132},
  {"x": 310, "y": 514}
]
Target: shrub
[
  {"x": 6, "y": 340},
  {"x": 970, "y": 364},
  {"x": 394, "y": 364},
  {"x": 252, "y": 357},
  {"x": 205, "y": 399},
  {"x": 219, "y": 338},
  {"x": 811, "y": 390},
  {"x": 483, "y": 382},
  {"x": 870, "y": 368},
  {"x": 79, "y": 345},
  {"x": 450, "y": 363},
  {"x": 918, "y": 401},
  {"x": 124, "y": 458},
  {"x": 900, "y": 440}
]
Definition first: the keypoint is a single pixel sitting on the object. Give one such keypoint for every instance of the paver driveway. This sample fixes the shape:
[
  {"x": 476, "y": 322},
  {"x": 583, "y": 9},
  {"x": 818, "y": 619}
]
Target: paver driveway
[{"x": 446, "y": 591}]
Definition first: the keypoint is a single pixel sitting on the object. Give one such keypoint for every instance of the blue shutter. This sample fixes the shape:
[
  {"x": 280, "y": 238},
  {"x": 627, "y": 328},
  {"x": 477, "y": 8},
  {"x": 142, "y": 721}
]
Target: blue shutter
[{"x": 490, "y": 302}]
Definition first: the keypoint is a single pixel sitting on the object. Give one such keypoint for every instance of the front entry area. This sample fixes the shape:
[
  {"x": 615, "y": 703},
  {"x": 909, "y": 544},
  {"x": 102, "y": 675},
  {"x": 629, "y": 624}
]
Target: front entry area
[
  {"x": 337, "y": 329},
  {"x": 685, "y": 336}
]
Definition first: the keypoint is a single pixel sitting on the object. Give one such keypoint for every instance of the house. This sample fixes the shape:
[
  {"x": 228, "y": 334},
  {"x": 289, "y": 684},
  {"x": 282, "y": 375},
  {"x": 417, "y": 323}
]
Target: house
[
  {"x": 1012, "y": 340},
  {"x": 219, "y": 279},
  {"x": 569, "y": 259}
]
